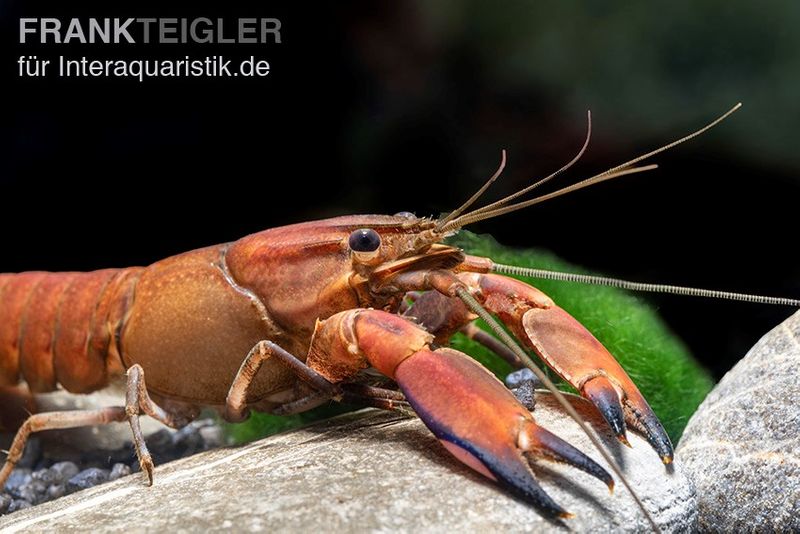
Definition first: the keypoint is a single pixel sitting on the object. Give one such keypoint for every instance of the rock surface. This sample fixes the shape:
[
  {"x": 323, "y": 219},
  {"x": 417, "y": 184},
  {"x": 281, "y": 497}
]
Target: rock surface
[
  {"x": 367, "y": 471},
  {"x": 742, "y": 446},
  {"x": 37, "y": 478}
]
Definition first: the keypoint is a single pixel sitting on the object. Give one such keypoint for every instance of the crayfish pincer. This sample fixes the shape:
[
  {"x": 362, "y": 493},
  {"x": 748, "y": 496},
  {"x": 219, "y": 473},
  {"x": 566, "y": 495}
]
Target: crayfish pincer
[{"x": 286, "y": 319}]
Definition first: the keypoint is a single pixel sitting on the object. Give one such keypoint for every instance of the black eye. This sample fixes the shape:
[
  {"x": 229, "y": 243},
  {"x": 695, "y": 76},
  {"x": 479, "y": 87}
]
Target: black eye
[
  {"x": 364, "y": 240},
  {"x": 405, "y": 214}
]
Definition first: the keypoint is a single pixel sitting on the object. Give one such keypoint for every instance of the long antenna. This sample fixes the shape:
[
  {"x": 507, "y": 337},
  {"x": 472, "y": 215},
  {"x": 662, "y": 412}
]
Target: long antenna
[
  {"x": 639, "y": 286},
  {"x": 683, "y": 139},
  {"x": 477, "y": 194},
  {"x": 620, "y": 170},
  {"x": 546, "y": 179},
  {"x": 472, "y": 217}
]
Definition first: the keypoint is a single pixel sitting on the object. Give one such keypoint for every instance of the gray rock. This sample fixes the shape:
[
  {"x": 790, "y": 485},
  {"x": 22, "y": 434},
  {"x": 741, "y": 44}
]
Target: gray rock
[
  {"x": 119, "y": 471},
  {"x": 521, "y": 377},
  {"x": 742, "y": 446},
  {"x": 5, "y": 502},
  {"x": 213, "y": 436},
  {"x": 87, "y": 478},
  {"x": 523, "y": 384},
  {"x": 45, "y": 476},
  {"x": 367, "y": 471},
  {"x": 25, "y": 492},
  {"x": 18, "y": 478},
  {"x": 18, "y": 504},
  {"x": 56, "y": 491},
  {"x": 63, "y": 471}
]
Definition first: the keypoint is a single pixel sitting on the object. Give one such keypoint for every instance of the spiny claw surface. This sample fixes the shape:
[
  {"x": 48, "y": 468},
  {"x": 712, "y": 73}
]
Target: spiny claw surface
[{"x": 481, "y": 423}]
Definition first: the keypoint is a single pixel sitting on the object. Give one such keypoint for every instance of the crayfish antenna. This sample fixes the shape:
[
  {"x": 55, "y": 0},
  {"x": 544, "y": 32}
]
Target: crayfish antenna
[
  {"x": 500, "y": 207},
  {"x": 477, "y": 194}
]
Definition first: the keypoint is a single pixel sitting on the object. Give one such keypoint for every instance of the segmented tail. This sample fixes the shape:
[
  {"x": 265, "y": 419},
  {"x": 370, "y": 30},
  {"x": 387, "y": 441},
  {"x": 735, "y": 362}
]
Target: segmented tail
[{"x": 61, "y": 328}]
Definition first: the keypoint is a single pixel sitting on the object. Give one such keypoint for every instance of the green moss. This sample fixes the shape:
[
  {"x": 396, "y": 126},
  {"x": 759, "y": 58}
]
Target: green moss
[
  {"x": 657, "y": 361},
  {"x": 260, "y": 425},
  {"x": 673, "y": 383}
]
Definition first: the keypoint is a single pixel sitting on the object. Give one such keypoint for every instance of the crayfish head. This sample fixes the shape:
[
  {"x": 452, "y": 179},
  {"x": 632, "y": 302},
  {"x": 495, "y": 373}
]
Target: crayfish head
[
  {"x": 391, "y": 246},
  {"x": 384, "y": 239}
]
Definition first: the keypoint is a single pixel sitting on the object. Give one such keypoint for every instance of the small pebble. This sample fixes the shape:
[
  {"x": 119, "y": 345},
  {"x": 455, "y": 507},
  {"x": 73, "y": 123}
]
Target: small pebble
[
  {"x": 87, "y": 478},
  {"x": 26, "y": 492},
  {"x": 5, "y": 502},
  {"x": 519, "y": 377},
  {"x": 17, "y": 478},
  {"x": 119, "y": 471},
  {"x": 26, "y": 487},
  {"x": 213, "y": 436},
  {"x": 188, "y": 438},
  {"x": 55, "y": 491},
  {"x": 523, "y": 384},
  {"x": 159, "y": 441},
  {"x": 18, "y": 504},
  {"x": 45, "y": 476},
  {"x": 63, "y": 471}
]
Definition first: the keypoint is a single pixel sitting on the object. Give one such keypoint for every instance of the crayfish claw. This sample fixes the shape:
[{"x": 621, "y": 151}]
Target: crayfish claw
[
  {"x": 516, "y": 474},
  {"x": 540, "y": 442},
  {"x": 504, "y": 464},
  {"x": 640, "y": 417},
  {"x": 601, "y": 392},
  {"x": 483, "y": 425}
]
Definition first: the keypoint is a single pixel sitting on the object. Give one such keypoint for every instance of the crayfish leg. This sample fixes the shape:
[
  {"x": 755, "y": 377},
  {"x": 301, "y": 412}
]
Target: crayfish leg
[
  {"x": 56, "y": 420},
  {"x": 137, "y": 400}
]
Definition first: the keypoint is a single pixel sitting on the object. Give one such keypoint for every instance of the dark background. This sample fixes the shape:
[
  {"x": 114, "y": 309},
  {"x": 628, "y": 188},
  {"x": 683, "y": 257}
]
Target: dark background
[{"x": 389, "y": 106}]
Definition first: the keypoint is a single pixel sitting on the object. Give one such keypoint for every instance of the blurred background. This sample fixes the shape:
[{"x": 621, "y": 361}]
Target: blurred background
[{"x": 379, "y": 107}]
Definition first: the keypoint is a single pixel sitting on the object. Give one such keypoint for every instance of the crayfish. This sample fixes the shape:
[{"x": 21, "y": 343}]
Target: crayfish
[{"x": 289, "y": 318}]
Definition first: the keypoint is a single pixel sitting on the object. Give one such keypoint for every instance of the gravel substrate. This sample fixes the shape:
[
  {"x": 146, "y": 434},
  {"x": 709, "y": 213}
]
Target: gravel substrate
[{"x": 39, "y": 479}]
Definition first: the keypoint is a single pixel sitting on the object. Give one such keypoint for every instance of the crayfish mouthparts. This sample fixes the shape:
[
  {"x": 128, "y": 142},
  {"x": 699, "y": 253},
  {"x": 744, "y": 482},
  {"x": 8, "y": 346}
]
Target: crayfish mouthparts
[{"x": 484, "y": 426}]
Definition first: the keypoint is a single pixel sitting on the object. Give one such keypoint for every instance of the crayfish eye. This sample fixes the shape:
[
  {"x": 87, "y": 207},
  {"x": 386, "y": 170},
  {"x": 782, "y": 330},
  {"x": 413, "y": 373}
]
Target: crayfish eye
[
  {"x": 364, "y": 240},
  {"x": 405, "y": 215}
]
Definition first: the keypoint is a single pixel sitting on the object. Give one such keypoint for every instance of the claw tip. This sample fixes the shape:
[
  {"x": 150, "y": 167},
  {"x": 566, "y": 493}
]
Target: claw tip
[
  {"x": 566, "y": 515},
  {"x": 624, "y": 439},
  {"x": 667, "y": 459},
  {"x": 611, "y": 487}
]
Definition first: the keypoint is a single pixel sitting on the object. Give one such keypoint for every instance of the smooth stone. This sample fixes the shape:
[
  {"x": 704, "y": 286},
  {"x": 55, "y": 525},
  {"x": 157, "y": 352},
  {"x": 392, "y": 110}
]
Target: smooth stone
[
  {"x": 17, "y": 478},
  {"x": 369, "y": 471},
  {"x": 63, "y": 471},
  {"x": 88, "y": 478},
  {"x": 742, "y": 446},
  {"x": 5, "y": 502},
  {"x": 119, "y": 471},
  {"x": 19, "y": 504},
  {"x": 56, "y": 491}
]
